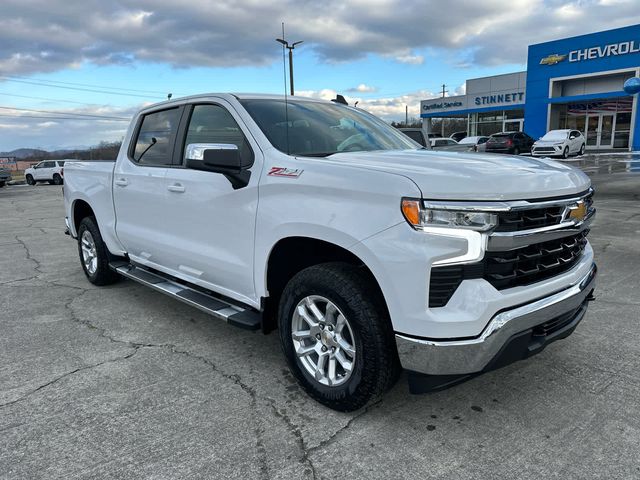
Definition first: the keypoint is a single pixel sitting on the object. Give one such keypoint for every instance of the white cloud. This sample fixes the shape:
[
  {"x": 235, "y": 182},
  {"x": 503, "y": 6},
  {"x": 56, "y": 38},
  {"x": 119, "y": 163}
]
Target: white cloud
[
  {"x": 389, "y": 108},
  {"x": 410, "y": 59},
  {"x": 49, "y": 35},
  {"x": 362, "y": 88}
]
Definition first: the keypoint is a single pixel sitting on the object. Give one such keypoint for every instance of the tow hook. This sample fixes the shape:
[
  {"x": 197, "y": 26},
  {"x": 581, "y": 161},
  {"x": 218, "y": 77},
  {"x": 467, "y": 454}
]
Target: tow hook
[{"x": 591, "y": 297}]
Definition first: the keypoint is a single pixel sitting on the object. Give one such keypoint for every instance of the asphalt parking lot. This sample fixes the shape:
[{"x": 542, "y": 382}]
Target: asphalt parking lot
[{"x": 123, "y": 382}]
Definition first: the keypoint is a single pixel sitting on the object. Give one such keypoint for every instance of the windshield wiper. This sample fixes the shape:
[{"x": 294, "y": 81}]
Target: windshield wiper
[{"x": 315, "y": 154}]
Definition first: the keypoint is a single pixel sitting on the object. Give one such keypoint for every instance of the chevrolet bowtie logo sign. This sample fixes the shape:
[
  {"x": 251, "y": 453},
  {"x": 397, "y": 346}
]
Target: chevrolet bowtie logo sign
[
  {"x": 578, "y": 212},
  {"x": 552, "y": 59}
]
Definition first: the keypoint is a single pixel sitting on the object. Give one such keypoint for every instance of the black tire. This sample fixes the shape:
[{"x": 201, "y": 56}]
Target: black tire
[
  {"x": 30, "y": 180},
  {"x": 102, "y": 275},
  {"x": 376, "y": 365},
  {"x": 2, "y": 184},
  {"x": 50, "y": 182},
  {"x": 57, "y": 179},
  {"x": 582, "y": 149},
  {"x": 565, "y": 152},
  {"x": 516, "y": 151}
]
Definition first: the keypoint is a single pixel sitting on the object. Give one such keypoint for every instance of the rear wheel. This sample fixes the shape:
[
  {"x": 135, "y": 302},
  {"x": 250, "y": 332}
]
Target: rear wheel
[
  {"x": 94, "y": 255},
  {"x": 57, "y": 179},
  {"x": 2, "y": 184},
  {"x": 30, "y": 180},
  {"x": 516, "y": 151},
  {"x": 337, "y": 337}
]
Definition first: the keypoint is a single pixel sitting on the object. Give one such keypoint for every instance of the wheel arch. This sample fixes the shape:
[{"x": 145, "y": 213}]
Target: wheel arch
[
  {"x": 293, "y": 254},
  {"x": 80, "y": 209}
]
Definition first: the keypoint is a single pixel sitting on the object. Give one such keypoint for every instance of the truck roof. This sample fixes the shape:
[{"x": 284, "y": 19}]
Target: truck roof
[{"x": 231, "y": 96}]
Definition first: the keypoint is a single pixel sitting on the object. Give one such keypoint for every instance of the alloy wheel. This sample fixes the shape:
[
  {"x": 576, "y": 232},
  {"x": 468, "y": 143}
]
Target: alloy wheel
[
  {"x": 323, "y": 340},
  {"x": 89, "y": 253}
]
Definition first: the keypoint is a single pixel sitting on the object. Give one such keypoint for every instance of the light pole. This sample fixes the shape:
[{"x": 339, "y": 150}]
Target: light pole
[{"x": 290, "y": 48}]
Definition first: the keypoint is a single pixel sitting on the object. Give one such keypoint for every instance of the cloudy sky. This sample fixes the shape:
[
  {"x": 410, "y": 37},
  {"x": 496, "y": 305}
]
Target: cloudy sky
[{"x": 94, "y": 62}]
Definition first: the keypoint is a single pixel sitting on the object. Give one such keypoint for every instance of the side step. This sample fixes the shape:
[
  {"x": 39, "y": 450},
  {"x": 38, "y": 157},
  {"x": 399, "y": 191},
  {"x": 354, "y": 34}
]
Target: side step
[{"x": 232, "y": 314}]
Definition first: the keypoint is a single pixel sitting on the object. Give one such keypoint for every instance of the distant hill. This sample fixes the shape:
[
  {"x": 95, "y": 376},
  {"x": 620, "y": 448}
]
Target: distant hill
[
  {"x": 102, "y": 151},
  {"x": 23, "y": 153}
]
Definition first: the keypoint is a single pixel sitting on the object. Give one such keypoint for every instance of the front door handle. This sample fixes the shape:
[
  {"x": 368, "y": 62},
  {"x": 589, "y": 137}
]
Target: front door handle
[
  {"x": 176, "y": 187},
  {"x": 121, "y": 182}
]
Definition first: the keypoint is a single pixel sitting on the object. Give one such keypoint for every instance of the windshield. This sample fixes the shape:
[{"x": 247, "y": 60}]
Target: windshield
[
  {"x": 321, "y": 129},
  {"x": 555, "y": 135},
  {"x": 468, "y": 140}
]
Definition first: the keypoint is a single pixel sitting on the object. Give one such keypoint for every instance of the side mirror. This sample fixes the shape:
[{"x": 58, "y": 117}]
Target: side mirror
[
  {"x": 572, "y": 137},
  {"x": 214, "y": 157},
  {"x": 221, "y": 158}
]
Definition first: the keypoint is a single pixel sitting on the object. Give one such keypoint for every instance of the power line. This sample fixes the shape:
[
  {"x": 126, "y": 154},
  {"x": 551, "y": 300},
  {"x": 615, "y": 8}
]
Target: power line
[
  {"x": 84, "y": 84},
  {"x": 77, "y": 88},
  {"x": 46, "y": 99},
  {"x": 65, "y": 113},
  {"x": 4, "y": 115}
]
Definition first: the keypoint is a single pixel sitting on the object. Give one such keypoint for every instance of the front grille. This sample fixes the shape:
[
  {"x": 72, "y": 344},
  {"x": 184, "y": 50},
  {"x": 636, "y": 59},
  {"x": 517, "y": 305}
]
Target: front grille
[
  {"x": 533, "y": 263},
  {"x": 513, "y": 268},
  {"x": 528, "y": 219},
  {"x": 517, "y": 220},
  {"x": 544, "y": 149}
]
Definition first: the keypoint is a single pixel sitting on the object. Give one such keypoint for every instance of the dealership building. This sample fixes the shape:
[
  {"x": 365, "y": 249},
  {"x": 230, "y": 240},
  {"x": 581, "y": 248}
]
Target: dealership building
[{"x": 574, "y": 83}]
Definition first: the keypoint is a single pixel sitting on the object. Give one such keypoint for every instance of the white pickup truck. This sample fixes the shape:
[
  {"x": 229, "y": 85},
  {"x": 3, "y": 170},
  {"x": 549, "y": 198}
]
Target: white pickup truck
[{"x": 365, "y": 251}]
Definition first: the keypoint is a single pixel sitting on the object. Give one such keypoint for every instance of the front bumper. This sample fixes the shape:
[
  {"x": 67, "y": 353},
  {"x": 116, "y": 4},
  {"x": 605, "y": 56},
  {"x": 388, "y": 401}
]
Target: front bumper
[
  {"x": 562, "y": 310},
  {"x": 551, "y": 151}
]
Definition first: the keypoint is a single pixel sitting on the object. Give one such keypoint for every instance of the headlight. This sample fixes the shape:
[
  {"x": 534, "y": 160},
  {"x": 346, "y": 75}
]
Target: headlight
[{"x": 419, "y": 217}]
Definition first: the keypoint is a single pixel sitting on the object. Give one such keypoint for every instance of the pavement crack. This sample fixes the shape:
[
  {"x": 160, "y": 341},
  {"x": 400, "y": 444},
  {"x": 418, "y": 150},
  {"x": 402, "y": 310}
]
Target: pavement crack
[
  {"x": 65, "y": 375},
  {"x": 38, "y": 267}
]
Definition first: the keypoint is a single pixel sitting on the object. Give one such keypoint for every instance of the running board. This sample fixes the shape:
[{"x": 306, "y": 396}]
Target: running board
[{"x": 232, "y": 314}]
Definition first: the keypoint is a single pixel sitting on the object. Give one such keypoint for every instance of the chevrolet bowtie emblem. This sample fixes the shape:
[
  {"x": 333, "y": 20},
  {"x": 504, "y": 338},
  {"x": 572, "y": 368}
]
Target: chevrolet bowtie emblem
[
  {"x": 552, "y": 59},
  {"x": 578, "y": 212}
]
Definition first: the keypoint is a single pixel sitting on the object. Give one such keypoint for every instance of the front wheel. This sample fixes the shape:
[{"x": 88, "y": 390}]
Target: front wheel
[
  {"x": 516, "y": 151},
  {"x": 582, "y": 149},
  {"x": 565, "y": 152},
  {"x": 337, "y": 337},
  {"x": 94, "y": 255},
  {"x": 2, "y": 184}
]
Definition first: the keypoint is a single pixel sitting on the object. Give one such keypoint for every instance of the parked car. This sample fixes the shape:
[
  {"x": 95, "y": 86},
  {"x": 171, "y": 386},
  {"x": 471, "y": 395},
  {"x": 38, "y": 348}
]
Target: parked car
[
  {"x": 417, "y": 135},
  {"x": 442, "y": 143},
  {"x": 475, "y": 143},
  {"x": 457, "y": 136},
  {"x": 378, "y": 255},
  {"x": 51, "y": 171},
  {"x": 5, "y": 176},
  {"x": 560, "y": 143},
  {"x": 514, "y": 143}
]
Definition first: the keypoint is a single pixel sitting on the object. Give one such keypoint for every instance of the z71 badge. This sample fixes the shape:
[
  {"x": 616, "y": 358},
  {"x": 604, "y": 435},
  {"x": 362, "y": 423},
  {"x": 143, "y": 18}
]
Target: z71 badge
[{"x": 285, "y": 172}]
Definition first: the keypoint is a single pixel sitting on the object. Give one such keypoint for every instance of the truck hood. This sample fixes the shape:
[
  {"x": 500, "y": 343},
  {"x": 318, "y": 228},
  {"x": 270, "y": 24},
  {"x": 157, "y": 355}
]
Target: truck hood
[{"x": 473, "y": 176}]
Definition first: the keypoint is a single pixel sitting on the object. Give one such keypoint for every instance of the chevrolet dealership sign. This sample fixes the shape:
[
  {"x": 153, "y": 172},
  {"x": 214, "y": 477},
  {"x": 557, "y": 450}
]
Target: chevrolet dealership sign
[{"x": 593, "y": 53}]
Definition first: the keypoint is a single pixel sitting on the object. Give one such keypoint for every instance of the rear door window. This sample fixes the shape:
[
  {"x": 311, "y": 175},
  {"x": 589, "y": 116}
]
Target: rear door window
[{"x": 156, "y": 136}]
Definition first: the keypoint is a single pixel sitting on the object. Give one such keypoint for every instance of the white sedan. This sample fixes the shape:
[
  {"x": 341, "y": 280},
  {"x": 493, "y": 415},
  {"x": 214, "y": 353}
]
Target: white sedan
[
  {"x": 559, "y": 143},
  {"x": 475, "y": 143}
]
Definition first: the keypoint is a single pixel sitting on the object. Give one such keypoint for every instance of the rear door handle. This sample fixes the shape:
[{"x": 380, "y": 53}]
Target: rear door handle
[
  {"x": 176, "y": 187},
  {"x": 121, "y": 182}
]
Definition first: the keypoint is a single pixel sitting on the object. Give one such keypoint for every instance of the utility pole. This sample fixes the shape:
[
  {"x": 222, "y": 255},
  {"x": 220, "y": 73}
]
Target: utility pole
[
  {"x": 444, "y": 92},
  {"x": 406, "y": 115},
  {"x": 290, "y": 48}
]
